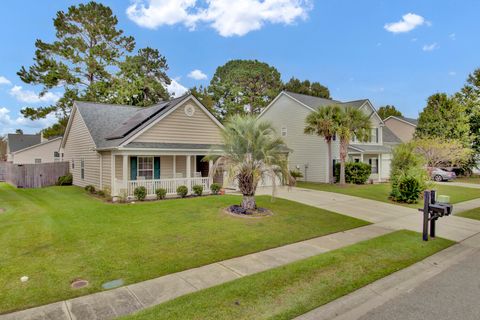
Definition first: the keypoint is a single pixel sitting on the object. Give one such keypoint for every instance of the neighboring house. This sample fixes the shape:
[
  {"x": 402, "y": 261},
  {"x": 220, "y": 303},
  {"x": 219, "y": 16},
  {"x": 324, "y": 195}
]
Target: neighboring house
[
  {"x": 117, "y": 148},
  {"x": 44, "y": 152},
  {"x": 16, "y": 142},
  {"x": 402, "y": 127},
  {"x": 288, "y": 112}
]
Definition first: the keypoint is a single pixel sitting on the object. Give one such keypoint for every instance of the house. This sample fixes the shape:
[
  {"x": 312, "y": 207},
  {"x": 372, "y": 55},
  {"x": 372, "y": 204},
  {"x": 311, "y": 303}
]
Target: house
[
  {"x": 117, "y": 148},
  {"x": 288, "y": 111},
  {"x": 402, "y": 127},
  {"x": 17, "y": 141},
  {"x": 43, "y": 152}
]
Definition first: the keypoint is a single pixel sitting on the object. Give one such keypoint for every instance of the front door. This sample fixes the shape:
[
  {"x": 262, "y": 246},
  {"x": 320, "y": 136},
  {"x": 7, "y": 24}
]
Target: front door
[{"x": 202, "y": 166}]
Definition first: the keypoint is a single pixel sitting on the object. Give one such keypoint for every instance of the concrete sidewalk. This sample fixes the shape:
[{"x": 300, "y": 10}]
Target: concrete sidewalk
[
  {"x": 443, "y": 286},
  {"x": 460, "y": 184},
  {"x": 126, "y": 300},
  {"x": 381, "y": 213}
]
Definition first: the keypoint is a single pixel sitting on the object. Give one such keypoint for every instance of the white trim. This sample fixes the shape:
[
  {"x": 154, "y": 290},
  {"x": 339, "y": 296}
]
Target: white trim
[
  {"x": 399, "y": 119},
  {"x": 367, "y": 101},
  {"x": 69, "y": 125},
  {"x": 101, "y": 170},
  {"x": 181, "y": 103},
  {"x": 112, "y": 174},
  {"x": 37, "y": 145},
  {"x": 357, "y": 149}
]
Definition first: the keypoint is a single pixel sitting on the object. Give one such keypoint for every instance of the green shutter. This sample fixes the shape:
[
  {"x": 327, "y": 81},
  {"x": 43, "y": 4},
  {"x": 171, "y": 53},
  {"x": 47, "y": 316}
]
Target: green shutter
[
  {"x": 156, "y": 168},
  {"x": 133, "y": 168}
]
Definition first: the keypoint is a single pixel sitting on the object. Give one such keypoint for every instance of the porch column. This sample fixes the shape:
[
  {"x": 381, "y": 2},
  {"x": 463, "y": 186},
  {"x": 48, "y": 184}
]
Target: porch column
[
  {"x": 189, "y": 174},
  {"x": 361, "y": 157},
  {"x": 210, "y": 173},
  {"x": 125, "y": 171},
  {"x": 112, "y": 175},
  {"x": 379, "y": 167},
  {"x": 174, "y": 166}
]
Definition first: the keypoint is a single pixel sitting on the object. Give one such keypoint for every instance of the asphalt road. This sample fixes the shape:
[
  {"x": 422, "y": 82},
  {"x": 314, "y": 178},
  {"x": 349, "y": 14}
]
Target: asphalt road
[{"x": 451, "y": 295}]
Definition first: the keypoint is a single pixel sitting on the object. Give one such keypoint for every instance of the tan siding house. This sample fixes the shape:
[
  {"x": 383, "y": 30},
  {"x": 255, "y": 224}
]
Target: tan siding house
[
  {"x": 44, "y": 152},
  {"x": 118, "y": 148},
  {"x": 288, "y": 111},
  {"x": 403, "y": 128}
]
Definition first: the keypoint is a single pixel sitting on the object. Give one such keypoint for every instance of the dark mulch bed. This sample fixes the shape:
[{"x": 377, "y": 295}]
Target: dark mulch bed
[{"x": 238, "y": 211}]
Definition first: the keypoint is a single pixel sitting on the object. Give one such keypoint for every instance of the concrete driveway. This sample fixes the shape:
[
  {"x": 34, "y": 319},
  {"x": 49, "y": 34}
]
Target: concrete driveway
[{"x": 381, "y": 214}]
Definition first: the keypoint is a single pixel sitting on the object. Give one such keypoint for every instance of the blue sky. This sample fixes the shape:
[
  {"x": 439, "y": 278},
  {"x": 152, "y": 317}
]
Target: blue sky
[{"x": 390, "y": 52}]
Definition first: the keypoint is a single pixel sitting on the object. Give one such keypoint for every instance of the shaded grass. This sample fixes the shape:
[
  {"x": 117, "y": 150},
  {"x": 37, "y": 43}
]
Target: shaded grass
[
  {"x": 294, "y": 289},
  {"x": 381, "y": 191},
  {"x": 58, "y": 234},
  {"x": 471, "y": 214},
  {"x": 472, "y": 179}
]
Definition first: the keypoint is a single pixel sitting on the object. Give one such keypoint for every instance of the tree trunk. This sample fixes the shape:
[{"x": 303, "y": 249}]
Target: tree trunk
[
  {"x": 248, "y": 203},
  {"x": 343, "y": 156},
  {"x": 330, "y": 162}
]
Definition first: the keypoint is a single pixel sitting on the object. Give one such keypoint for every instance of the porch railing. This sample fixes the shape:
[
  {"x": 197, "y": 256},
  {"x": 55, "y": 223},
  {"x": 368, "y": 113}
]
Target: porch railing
[{"x": 170, "y": 185}]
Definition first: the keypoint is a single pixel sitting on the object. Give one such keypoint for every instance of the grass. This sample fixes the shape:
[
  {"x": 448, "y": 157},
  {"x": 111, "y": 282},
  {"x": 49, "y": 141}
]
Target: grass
[
  {"x": 58, "y": 234},
  {"x": 381, "y": 191},
  {"x": 471, "y": 214},
  {"x": 472, "y": 179},
  {"x": 294, "y": 289}
]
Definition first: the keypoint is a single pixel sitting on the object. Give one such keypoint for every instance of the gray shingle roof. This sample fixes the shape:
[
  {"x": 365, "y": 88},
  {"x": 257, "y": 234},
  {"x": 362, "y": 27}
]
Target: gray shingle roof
[
  {"x": 177, "y": 146},
  {"x": 110, "y": 125},
  {"x": 366, "y": 148},
  {"x": 21, "y": 141},
  {"x": 410, "y": 120},
  {"x": 315, "y": 102},
  {"x": 389, "y": 137}
]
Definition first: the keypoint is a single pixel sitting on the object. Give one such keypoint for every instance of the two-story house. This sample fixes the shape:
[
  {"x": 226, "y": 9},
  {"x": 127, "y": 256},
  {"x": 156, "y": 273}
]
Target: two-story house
[{"x": 288, "y": 111}]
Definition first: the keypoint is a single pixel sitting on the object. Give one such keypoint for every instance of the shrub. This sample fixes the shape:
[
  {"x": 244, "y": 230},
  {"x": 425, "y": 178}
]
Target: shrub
[
  {"x": 215, "y": 188},
  {"x": 197, "y": 190},
  {"x": 101, "y": 193},
  {"x": 408, "y": 176},
  {"x": 65, "y": 180},
  {"x": 296, "y": 174},
  {"x": 355, "y": 172},
  {"x": 182, "y": 191},
  {"x": 90, "y": 189},
  {"x": 140, "y": 193},
  {"x": 161, "y": 193}
]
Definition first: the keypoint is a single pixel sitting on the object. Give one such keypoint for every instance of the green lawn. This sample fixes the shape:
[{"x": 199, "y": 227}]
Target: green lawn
[
  {"x": 473, "y": 179},
  {"x": 58, "y": 234},
  {"x": 381, "y": 191},
  {"x": 472, "y": 214},
  {"x": 294, "y": 289}
]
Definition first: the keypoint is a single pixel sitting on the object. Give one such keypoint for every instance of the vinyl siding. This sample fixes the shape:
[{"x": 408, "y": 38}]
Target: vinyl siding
[
  {"x": 177, "y": 127},
  {"x": 106, "y": 163},
  {"x": 44, "y": 151},
  {"x": 119, "y": 167},
  {"x": 79, "y": 145},
  {"x": 402, "y": 130},
  {"x": 307, "y": 149}
]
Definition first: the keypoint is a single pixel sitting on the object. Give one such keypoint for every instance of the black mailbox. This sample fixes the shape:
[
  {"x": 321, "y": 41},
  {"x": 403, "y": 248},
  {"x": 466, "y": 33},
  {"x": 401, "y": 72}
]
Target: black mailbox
[{"x": 433, "y": 210}]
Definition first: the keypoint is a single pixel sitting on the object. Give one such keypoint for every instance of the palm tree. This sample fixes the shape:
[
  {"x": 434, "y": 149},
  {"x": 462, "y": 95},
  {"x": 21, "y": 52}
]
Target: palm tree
[
  {"x": 323, "y": 122},
  {"x": 251, "y": 150},
  {"x": 352, "y": 123}
]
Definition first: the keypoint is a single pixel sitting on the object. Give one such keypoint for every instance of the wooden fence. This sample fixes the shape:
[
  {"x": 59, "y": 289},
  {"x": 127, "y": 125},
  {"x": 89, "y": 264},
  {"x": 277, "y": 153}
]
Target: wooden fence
[
  {"x": 34, "y": 175},
  {"x": 3, "y": 170}
]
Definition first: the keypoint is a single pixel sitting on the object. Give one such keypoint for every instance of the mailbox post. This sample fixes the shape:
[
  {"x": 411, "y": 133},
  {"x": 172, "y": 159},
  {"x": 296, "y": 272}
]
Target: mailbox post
[{"x": 432, "y": 210}]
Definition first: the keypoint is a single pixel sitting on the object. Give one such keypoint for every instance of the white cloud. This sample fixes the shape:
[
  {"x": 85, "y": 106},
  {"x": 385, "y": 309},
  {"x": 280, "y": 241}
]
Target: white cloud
[
  {"x": 228, "y": 18},
  {"x": 29, "y": 96},
  {"x": 9, "y": 125},
  {"x": 4, "y": 80},
  {"x": 452, "y": 36},
  {"x": 197, "y": 75},
  {"x": 430, "y": 47},
  {"x": 452, "y": 73},
  {"x": 176, "y": 89},
  {"x": 409, "y": 22}
]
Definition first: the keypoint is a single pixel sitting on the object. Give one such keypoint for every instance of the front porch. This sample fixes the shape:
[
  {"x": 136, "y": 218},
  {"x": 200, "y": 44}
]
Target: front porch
[
  {"x": 377, "y": 156},
  {"x": 154, "y": 171}
]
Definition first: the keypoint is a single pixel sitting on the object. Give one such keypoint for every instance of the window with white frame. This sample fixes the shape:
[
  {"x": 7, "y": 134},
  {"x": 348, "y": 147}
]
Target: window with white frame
[
  {"x": 82, "y": 169},
  {"x": 374, "y": 136},
  {"x": 284, "y": 131},
  {"x": 38, "y": 161},
  {"x": 145, "y": 168},
  {"x": 374, "y": 164}
]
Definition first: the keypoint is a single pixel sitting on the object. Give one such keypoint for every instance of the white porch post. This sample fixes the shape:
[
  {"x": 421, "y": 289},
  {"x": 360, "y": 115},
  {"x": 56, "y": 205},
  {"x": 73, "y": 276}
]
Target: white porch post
[
  {"x": 125, "y": 171},
  {"x": 379, "y": 167},
  {"x": 174, "y": 166},
  {"x": 189, "y": 173},
  {"x": 112, "y": 174},
  {"x": 361, "y": 157},
  {"x": 210, "y": 174}
]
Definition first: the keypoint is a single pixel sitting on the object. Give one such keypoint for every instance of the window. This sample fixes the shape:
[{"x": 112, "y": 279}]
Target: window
[
  {"x": 145, "y": 168},
  {"x": 82, "y": 169},
  {"x": 374, "y": 164},
  {"x": 374, "y": 136},
  {"x": 73, "y": 164},
  {"x": 334, "y": 137},
  {"x": 284, "y": 132},
  {"x": 38, "y": 161},
  {"x": 56, "y": 156}
]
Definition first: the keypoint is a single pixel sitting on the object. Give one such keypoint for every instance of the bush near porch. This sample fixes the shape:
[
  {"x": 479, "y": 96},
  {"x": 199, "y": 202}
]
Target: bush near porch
[
  {"x": 58, "y": 234},
  {"x": 355, "y": 172}
]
